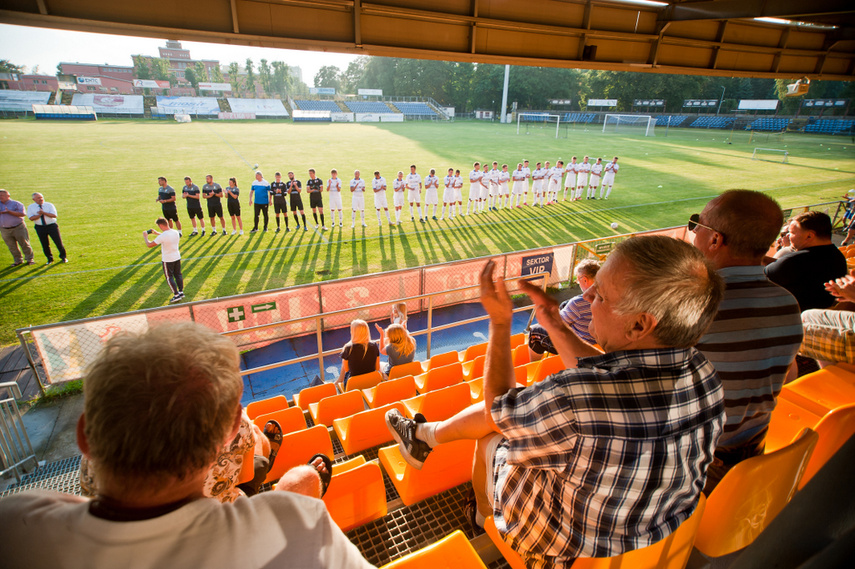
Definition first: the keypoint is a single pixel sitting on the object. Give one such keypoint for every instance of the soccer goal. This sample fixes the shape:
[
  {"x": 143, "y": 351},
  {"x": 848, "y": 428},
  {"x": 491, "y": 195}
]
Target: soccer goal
[
  {"x": 767, "y": 153},
  {"x": 535, "y": 121},
  {"x": 629, "y": 123}
]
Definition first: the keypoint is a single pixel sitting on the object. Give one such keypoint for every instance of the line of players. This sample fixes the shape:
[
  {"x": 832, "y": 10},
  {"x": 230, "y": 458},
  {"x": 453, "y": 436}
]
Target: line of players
[{"x": 487, "y": 189}]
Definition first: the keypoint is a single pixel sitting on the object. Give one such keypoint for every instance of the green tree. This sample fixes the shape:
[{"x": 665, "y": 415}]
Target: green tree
[
  {"x": 328, "y": 76},
  {"x": 190, "y": 76},
  {"x": 234, "y": 77},
  {"x": 264, "y": 77},
  {"x": 7, "y": 66},
  {"x": 351, "y": 79},
  {"x": 160, "y": 69},
  {"x": 250, "y": 77},
  {"x": 141, "y": 67},
  {"x": 201, "y": 72},
  {"x": 217, "y": 75}
]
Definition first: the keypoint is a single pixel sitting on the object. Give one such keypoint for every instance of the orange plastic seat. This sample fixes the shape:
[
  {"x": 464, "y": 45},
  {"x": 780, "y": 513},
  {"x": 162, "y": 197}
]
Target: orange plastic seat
[
  {"x": 750, "y": 495},
  {"x": 297, "y": 448},
  {"x": 451, "y": 552},
  {"x": 517, "y": 340},
  {"x": 476, "y": 390},
  {"x": 364, "y": 381},
  {"x": 403, "y": 370},
  {"x": 265, "y": 406},
  {"x": 390, "y": 391},
  {"x": 474, "y": 369},
  {"x": 440, "y": 404},
  {"x": 822, "y": 391},
  {"x": 512, "y": 557},
  {"x": 290, "y": 419},
  {"x": 441, "y": 360},
  {"x": 473, "y": 352},
  {"x": 834, "y": 429},
  {"x": 447, "y": 466},
  {"x": 786, "y": 422},
  {"x": 328, "y": 409},
  {"x": 313, "y": 395},
  {"x": 439, "y": 377},
  {"x": 521, "y": 374},
  {"x": 349, "y": 464},
  {"x": 356, "y": 496},
  {"x": 522, "y": 355},
  {"x": 365, "y": 429},
  {"x": 547, "y": 366}
]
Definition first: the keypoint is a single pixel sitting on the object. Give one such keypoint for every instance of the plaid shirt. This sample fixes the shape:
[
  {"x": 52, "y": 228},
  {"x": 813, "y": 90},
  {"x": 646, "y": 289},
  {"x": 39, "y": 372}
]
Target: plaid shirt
[{"x": 606, "y": 458}]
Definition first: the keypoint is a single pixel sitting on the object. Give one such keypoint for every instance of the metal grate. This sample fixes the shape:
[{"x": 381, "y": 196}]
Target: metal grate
[{"x": 61, "y": 476}]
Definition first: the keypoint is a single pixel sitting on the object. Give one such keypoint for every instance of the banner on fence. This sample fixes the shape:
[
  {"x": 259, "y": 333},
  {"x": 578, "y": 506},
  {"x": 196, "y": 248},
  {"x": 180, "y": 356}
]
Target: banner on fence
[
  {"x": 188, "y": 105},
  {"x": 215, "y": 87},
  {"x": 367, "y": 117},
  {"x": 370, "y": 92},
  {"x": 602, "y": 102},
  {"x": 119, "y": 104},
  {"x": 758, "y": 104},
  {"x": 235, "y": 116},
  {"x": 261, "y": 107},
  {"x": 391, "y": 117},
  {"x": 340, "y": 117}
]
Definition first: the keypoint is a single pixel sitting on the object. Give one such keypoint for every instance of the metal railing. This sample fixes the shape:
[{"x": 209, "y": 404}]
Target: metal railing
[{"x": 16, "y": 452}]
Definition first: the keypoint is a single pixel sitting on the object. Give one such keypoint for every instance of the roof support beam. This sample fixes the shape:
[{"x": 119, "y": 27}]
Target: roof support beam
[
  {"x": 235, "y": 26},
  {"x": 357, "y": 23},
  {"x": 731, "y": 9}
]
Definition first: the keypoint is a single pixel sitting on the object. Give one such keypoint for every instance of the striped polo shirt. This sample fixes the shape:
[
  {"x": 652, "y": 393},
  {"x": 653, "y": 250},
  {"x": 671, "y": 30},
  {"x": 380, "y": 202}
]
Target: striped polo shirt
[{"x": 754, "y": 338}]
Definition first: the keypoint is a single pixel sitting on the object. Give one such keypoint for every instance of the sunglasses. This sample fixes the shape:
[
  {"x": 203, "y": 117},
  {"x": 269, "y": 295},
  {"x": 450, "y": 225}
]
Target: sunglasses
[{"x": 694, "y": 222}]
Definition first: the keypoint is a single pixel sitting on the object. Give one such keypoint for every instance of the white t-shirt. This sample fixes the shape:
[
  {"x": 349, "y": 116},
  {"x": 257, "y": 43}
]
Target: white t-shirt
[
  {"x": 596, "y": 169},
  {"x": 378, "y": 183},
  {"x": 398, "y": 185},
  {"x": 413, "y": 181},
  {"x": 357, "y": 185},
  {"x": 612, "y": 168},
  {"x": 431, "y": 182},
  {"x": 334, "y": 184},
  {"x": 475, "y": 177},
  {"x": 519, "y": 175},
  {"x": 458, "y": 182},
  {"x": 448, "y": 181},
  {"x": 527, "y": 171},
  {"x": 168, "y": 241},
  {"x": 273, "y": 529}
]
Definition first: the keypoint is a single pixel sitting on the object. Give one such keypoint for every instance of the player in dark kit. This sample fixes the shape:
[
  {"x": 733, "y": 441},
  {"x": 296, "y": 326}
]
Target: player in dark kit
[
  {"x": 294, "y": 188},
  {"x": 191, "y": 193},
  {"x": 279, "y": 191},
  {"x": 212, "y": 192},
  {"x": 166, "y": 199},
  {"x": 315, "y": 187}
]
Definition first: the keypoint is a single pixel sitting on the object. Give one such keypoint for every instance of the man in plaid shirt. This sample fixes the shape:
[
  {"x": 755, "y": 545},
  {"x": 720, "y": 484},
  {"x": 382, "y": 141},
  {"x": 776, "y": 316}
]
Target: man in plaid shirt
[{"x": 611, "y": 454}]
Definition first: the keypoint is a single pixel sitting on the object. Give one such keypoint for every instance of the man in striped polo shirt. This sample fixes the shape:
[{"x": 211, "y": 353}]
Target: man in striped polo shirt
[{"x": 758, "y": 329}]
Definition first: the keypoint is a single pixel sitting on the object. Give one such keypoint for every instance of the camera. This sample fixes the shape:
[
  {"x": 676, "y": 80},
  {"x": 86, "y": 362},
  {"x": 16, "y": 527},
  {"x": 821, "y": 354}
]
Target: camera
[{"x": 150, "y": 231}]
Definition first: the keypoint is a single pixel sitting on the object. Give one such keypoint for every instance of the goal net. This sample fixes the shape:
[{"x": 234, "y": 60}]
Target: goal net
[
  {"x": 629, "y": 123},
  {"x": 529, "y": 123}
]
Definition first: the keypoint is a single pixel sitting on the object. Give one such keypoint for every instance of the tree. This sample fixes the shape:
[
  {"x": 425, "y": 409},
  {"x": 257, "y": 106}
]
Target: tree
[
  {"x": 7, "y": 66},
  {"x": 250, "y": 77},
  {"x": 201, "y": 72},
  {"x": 352, "y": 78},
  {"x": 217, "y": 75},
  {"x": 141, "y": 67},
  {"x": 160, "y": 69},
  {"x": 264, "y": 77},
  {"x": 59, "y": 69},
  {"x": 234, "y": 79},
  {"x": 190, "y": 76},
  {"x": 328, "y": 76}
]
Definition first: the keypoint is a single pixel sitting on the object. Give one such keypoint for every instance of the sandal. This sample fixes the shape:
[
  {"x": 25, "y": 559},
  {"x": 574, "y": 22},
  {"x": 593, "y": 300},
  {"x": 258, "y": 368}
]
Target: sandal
[
  {"x": 273, "y": 432},
  {"x": 325, "y": 476}
]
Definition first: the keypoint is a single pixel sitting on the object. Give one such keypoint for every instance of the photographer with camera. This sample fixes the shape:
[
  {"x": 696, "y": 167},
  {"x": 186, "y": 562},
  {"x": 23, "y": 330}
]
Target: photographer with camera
[{"x": 170, "y": 256}]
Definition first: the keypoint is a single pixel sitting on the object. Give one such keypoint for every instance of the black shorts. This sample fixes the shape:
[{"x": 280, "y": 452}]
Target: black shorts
[
  {"x": 170, "y": 213},
  {"x": 316, "y": 199},
  {"x": 296, "y": 202},
  {"x": 215, "y": 209},
  {"x": 280, "y": 206},
  {"x": 195, "y": 212},
  {"x": 234, "y": 207}
]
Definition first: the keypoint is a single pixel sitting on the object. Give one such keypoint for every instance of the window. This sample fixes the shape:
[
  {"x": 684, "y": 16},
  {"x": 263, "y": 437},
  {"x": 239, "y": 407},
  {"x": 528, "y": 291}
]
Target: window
[
  {"x": 114, "y": 89},
  {"x": 90, "y": 88}
]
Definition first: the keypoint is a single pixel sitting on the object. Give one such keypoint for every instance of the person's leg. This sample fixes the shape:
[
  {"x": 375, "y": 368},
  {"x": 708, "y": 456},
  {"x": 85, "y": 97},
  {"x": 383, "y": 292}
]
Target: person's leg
[
  {"x": 170, "y": 279},
  {"x": 482, "y": 475},
  {"x": 53, "y": 231},
  {"x": 255, "y": 218},
  {"x": 12, "y": 244},
  {"x": 23, "y": 238},
  {"x": 264, "y": 211},
  {"x": 42, "y": 232},
  {"x": 829, "y": 336},
  {"x": 179, "y": 278},
  {"x": 323, "y": 223},
  {"x": 303, "y": 480},
  {"x": 240, "y": 223}
]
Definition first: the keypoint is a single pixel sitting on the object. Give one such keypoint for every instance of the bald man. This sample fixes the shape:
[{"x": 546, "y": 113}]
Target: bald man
[{"x": 44, "y": 215}]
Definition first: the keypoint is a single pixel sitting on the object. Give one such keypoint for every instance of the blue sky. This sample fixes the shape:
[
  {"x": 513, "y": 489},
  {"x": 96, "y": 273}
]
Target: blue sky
[{"x": 46, "y": 47}]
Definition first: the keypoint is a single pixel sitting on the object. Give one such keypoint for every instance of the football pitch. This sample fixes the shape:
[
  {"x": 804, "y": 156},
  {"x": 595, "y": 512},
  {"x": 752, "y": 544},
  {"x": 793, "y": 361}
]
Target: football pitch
[{"x": 102, "y": 177}]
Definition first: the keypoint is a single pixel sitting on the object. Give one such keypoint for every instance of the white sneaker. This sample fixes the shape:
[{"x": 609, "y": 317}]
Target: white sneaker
[
  {"x": 241, "y": 232},
  {"x": 234, "y": 232},
  {"x": 364, "y": 225},
  {"x": 352, "y": 225}
]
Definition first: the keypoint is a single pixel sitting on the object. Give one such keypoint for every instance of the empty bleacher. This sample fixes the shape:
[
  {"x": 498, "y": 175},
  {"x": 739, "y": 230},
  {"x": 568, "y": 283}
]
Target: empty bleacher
[
  {"x": 411, "y": 109},
  {"x": 375, "y": 107},
  {"x": 769, "y": 124},
  {"x": 585, "y": 118},
  {"x": 712, "y": 122},
  {"x": 16, "y": 103},
  {"x": 305, "y": 105},
  {"x": 831, "y": 126},
  {"x": 670, "y": 120}
]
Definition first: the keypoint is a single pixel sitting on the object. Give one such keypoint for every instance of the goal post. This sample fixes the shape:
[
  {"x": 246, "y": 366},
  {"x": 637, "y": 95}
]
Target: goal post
[
  {"x": 627, "y": 122},
  {"x": 545, "y": 119},
  {"x": 759, "y": 153}
]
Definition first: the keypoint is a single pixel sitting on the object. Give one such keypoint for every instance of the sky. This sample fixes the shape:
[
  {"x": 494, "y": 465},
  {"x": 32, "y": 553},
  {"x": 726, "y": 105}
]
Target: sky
[{"x": 45, "y": 48}]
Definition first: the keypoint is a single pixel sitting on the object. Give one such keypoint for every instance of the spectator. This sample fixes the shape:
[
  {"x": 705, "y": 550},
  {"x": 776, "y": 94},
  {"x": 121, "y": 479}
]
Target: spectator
[
  {"x": 14, "y": 230},
  {"x": 757, "y": 331},
  {"x": 814, "y": 261},
  {"x": 360, "y": 355},
  {"x": 44, "y": 215},
  {"x": 156, "y": 414},
  {"x": 830, "y": 334},
  {"x": 401, "y": 348},
  {"x": 399, "y": 314},
  {"x": 170, "y": 256},
  {"x": 558, "y": 464},
  {"x": 576, "y": 313}
]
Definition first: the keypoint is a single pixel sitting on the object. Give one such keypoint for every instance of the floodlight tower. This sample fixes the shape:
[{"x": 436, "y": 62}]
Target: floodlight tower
[{"x": 504, "y": 115}]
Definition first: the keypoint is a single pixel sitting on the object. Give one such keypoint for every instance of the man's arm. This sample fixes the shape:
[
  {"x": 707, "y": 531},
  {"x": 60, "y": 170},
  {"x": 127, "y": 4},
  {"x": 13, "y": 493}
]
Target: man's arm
[
  {"x": 12, "y": 212},
  {"x": 499, "y": 375},
  {"x": 148, "y": 243},
  {"x": 569, "y": 346}
]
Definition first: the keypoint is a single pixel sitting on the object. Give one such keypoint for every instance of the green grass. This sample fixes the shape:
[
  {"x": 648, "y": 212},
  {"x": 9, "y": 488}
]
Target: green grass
[{"x": 103, "y": 179}]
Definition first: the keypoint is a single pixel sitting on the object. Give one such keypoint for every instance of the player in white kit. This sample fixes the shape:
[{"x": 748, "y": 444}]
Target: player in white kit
[
  {"x": 504, "y": 192},
  {"x": 582, "y": 170},
  {"x": 527, "y": 171},
  {"x": 474, "y": 187},
  {"x": 610, "y": 170},
  {"x": 494, "y": 193},
  {"x": 357, "y": 191},
  {"x": 570, "y": 180},
  {"x": 555, "y": 175},
  {"x": 519, "y": 186},
  {"x": 594, "y": 181},
  {"x": 334, "y": 189},
  {"x": 458, "y": 191},
  {"x": 431, "y": 193},
  {"x": 537, "y": 178},
  {"x": 486, "y": 184},
  {"x": 399, "y": 185},
  {"x": 448, "y": 195},
  {"x": 378, "y": 184},
  {"x": 414, "y": 189}
]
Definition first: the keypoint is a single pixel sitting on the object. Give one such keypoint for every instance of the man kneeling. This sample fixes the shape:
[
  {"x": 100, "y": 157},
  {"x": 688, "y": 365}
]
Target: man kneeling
[
  {"x": 611, "y": 454},
  {"x": 158, "y": 408}
]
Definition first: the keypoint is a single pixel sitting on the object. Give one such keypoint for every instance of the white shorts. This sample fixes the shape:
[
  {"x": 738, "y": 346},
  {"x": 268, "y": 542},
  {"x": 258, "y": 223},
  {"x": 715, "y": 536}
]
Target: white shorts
[
  {"x": 568, "y": 182},
  {"x": 358, "y": 201},
  {"x": 554, "y": 186},
  {"x": 495, "y": 190},
  {"x": 609, "y": 179},
  {"x": 519, "y": 188},
  {"x": 474, "y": 192},
  {"x": 398, "y": 199},
  {"x": 380, "y": 200},
  {"x": 485, "y": 192},
  {"x": 581, "y": 180},
  {"x": 537, "y": 186},
  {"x": 431, "y": 197},
  {"x": 335, "y": 200},
  {"x": 414, "y": 196},
  {"x": 458, "y": 195},
  {"x": 594, "y": 181},
  {"x": 448, "y": 195},
  {"x": 503, "y": 189}
]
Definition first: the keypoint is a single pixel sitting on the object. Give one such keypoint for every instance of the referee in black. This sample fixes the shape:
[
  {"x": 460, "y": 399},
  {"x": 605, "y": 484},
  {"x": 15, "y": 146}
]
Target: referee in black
[
  {"x": 294, "y": 188},
  {"x": 191, "y": 193},
  {"x": 212, "y": 192},
  {"x": 315, "y": 187},
  {"x": 166, "y": 199},
  {"x": 279, "y": 191}
]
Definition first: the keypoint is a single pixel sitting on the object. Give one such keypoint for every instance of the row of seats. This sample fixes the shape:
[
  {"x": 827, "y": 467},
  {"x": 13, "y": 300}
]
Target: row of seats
[
  {"x": 712, "y": 122},
  {"x": 770, "y": 124},
  {"x": 579, "y": 117},
  {"x": 415, "y": 109},
  {"x": 673, "y": 120},
  {"x": 305, "y": 105},
  {"x": 831, "y": 126},
  {"x": 368, "y": 107}
]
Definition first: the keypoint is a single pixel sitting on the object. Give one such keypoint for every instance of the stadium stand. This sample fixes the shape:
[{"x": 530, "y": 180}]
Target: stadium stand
[
  {"x": 375, "y": 107},
  {"x": 118, "y": 105},
  {"x": 268, "y": 405},
  {"x": 771, "y": 124},
  {"x": 261, "y": 107},
  {"x": 712, "y": 122},
  {"x": 64, "y": 113},
  {"x": 390, "y": 391},
  {"x": 439, "y": 376},
  {"x": 670, "y": 120},
  {"x": 579, "y": 117},
  {"x": 415, "y": 109},
  {"x": 831, "y": 126},
  {"x": 21, "y": 102},
  {"x": 204, "y": 106},
  {"x": 305, "y": 105}
]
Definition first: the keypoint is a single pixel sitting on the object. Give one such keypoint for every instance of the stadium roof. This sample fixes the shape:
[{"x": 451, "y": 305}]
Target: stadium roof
[{"x": 814, "y": 38}]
